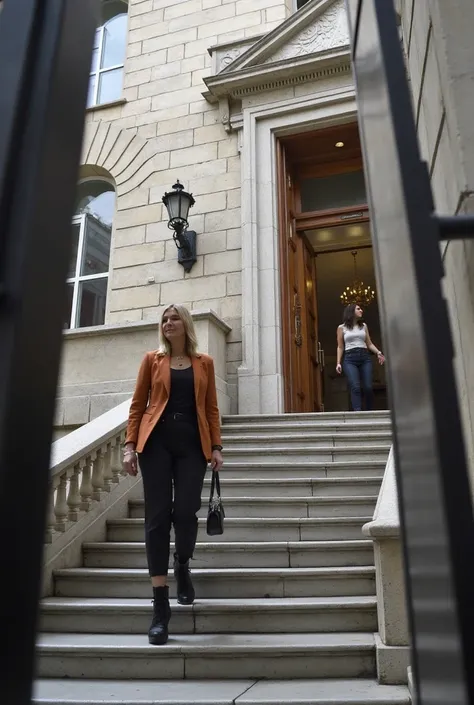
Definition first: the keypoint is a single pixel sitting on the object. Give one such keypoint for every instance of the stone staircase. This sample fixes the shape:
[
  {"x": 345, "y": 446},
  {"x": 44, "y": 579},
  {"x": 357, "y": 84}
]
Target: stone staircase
[{"x": 286, "y": 607}]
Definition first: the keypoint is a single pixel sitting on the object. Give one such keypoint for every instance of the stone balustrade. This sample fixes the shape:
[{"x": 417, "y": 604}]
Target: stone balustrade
[
  {"x": 85, "y": 466},
  {"x": 392, "y": 641}
]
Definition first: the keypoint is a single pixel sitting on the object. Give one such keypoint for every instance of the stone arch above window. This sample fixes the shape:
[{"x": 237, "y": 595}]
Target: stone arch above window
[{"x": 127, "y": 157}]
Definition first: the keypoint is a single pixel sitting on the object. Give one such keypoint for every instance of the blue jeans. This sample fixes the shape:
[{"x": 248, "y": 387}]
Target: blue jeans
[{"x": 358, "y": 370}]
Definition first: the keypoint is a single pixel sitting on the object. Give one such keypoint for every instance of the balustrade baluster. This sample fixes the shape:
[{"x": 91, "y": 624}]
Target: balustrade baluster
[
  {"x": 74, "y": 497},
  {"x": 116, "y": 460},
  {"x": 51, "y": 517},
  {"x": 61, "y": 509},
  {"x": 98, "y": 475},
  {"x": 86, "y": 485},
  {"x": 108, "y": 476}
]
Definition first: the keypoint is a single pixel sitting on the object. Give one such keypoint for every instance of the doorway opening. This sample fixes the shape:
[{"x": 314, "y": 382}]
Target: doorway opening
[{"x": 324, "y": 232}]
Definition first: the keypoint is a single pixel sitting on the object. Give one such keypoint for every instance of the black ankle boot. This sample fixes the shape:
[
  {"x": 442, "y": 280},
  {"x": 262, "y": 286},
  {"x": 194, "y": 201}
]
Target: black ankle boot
[
  {"x": 184, "y": 585},
  {"x": 158, "y": 632}
]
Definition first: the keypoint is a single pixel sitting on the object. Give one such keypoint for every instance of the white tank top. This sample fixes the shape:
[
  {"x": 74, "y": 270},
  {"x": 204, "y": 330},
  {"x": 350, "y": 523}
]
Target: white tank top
[{"x": 354, "y": 337}]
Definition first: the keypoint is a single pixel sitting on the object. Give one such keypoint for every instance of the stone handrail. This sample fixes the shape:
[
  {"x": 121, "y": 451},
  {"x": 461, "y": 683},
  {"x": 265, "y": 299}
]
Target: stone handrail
[
  {"x": 85, "y": 466},
  {"x": 392, "y": 642},
  {"x": 386, "y": 520}
]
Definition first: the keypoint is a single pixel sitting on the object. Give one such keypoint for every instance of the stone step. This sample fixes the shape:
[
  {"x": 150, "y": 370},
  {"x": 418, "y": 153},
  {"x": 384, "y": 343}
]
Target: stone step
[
  {"x": 207, "y": 656},
  {"x": 257, "y": 529},
  {"x": 359, "y": 691},
  {"x": 252, "y": 616},
  {"x": 282, "y": 507},
  {"x": 222, "y": 583},
  {"x": 307, "y": 439},
  {"x": 231, "y": 429},
  {"x": 295, "y": 486},
  {"x": 245, "y": 554},
  {"x": 299, "y": 453},
  {"x": 265, "y": 468},
  {"x": 326, "y": 417}
]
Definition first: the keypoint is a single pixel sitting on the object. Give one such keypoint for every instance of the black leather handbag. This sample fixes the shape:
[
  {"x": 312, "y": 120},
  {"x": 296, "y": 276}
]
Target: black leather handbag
[{"x": 215, "y": 513}]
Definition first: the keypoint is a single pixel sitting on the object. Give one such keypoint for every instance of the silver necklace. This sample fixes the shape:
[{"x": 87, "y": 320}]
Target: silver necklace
[{"x": 180, "y": 357}]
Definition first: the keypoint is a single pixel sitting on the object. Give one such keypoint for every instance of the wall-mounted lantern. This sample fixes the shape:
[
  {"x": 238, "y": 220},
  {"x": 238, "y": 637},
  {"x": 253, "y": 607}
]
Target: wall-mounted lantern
[{"x": 178, "y": 202}]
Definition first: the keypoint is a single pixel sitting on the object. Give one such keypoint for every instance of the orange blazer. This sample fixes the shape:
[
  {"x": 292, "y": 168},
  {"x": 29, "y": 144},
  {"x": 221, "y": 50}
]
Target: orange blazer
[{"x": 152, "y": 392}]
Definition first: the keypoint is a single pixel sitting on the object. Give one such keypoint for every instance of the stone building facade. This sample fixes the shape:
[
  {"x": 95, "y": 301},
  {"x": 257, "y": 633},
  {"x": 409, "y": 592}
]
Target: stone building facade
[
  {"x": 206, "y": 86},
  {"x": 204, "y": 91}
]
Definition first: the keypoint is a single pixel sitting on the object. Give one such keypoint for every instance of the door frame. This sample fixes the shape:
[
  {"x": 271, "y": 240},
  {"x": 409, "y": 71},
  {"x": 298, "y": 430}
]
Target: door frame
[
  {"x": 260, "y": 378},
  {"x": 294, "y": 224}
]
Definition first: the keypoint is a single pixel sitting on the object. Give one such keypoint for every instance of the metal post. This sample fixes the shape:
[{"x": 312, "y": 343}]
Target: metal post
[{"x": 45, "y": 53}]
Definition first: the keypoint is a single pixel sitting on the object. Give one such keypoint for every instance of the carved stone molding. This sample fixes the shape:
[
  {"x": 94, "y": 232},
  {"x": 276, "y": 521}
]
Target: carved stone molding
[
  {"x": 328, "y": 32},
  {"x": 223, "y": 55}
]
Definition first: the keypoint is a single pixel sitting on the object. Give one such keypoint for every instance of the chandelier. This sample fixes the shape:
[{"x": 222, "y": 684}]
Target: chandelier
[{"x": 357, "y": 292}]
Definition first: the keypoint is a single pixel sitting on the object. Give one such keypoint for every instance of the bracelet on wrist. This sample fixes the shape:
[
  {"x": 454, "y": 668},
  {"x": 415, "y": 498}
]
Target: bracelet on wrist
[{"x": 217, "y": 447}]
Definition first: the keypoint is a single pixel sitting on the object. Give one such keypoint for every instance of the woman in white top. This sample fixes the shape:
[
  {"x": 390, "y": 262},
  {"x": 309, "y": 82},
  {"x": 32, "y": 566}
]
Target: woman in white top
[{"x": 354, "y": 343}]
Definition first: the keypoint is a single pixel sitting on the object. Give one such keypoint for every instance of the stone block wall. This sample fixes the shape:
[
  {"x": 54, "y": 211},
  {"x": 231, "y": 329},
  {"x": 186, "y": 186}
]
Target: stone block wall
[
  {"x": 437, "y": 37},
  {"x": 164, "y": 130}
]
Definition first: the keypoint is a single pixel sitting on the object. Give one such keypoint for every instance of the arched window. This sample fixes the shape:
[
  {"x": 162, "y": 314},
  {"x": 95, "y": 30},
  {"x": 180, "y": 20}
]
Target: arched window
[
  {"x": 89, "y": 265},
  {"x": 105, "y": 84}
]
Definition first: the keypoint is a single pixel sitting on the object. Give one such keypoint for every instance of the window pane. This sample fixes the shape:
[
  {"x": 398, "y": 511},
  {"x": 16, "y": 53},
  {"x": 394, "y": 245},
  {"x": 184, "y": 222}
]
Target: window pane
[
  {"x": 76, "y": 227},
  {"x": 110, "y": 86},
  {"x": 335, "y": 191},
  {"x": 97, "y": 198},
  {"x": 92, "y": 300},
  {"x": 96, "y": 252},
  {"x": 68, "y": 311},
  {"x": 115, "y": 39}
]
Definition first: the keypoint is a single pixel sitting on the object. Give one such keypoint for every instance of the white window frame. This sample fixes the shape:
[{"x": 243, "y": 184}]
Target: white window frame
[
  {"x": 78, "y": 278},
  {"x": 100, "y": 31}
]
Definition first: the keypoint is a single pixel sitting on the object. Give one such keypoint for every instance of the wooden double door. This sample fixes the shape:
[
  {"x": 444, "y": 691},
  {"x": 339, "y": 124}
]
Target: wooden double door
[{"x": 303, "y": 359}]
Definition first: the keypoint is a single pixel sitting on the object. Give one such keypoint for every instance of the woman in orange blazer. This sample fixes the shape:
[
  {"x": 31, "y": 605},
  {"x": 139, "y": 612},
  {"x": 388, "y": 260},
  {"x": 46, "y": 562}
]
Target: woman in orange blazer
[{"x": 174, "y": 430}]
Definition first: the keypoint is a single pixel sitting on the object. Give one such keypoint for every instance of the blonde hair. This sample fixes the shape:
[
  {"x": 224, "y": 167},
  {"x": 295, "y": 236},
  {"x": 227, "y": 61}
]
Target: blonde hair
[{"x": 191, "y": 338}]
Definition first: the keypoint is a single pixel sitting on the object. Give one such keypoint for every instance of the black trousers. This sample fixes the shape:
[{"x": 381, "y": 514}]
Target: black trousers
[{"x": 172, "y": 460}]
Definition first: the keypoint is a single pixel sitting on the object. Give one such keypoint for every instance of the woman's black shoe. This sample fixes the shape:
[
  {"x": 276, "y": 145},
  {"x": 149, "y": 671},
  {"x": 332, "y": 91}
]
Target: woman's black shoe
[
  {"x": 158, "y": 632},
  {"x": 184, "y": 585}
]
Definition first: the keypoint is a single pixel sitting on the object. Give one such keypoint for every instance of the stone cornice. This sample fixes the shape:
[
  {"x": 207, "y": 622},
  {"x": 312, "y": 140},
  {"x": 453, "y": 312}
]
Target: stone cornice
[{"x": 283, "y": 73}]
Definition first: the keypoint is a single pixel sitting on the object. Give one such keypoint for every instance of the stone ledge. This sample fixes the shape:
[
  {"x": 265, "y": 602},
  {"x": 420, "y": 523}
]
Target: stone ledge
[
  {"x": 111, "y": 328},
  {"x": 106, "y": 106}
]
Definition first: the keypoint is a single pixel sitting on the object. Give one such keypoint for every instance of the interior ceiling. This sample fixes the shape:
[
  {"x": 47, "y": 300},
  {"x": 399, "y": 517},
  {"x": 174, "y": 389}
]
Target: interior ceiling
[
  {"x": 319, "y": 147},
  {"x": 339, "y": 236}
]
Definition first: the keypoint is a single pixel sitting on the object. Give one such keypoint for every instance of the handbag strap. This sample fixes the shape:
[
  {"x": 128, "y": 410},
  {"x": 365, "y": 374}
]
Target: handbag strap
[{"x": 215, "y": 485}]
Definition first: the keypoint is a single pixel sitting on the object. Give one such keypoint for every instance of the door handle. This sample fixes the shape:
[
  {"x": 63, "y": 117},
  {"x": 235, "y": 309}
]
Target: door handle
[
  {"x": 297, "y": 313},
  {"x": 320, "y": 354}
]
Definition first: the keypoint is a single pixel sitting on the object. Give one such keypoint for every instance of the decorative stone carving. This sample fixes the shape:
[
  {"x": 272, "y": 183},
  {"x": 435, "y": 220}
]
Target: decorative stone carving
[
  {"x": 230, "y": 56},
  {"x": 224, "y": 113},
  {"x": 328, "y": 32},
  {"x": 224, "y": 55}
]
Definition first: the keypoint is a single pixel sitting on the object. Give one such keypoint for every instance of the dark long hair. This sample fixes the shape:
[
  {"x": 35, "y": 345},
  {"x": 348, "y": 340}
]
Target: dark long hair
[{"x": 349, "y": 317}]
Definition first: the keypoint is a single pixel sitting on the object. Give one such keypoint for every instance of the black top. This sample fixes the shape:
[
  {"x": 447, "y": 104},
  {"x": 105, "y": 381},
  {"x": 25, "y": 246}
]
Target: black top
[{"x": 182, "y": 397}]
